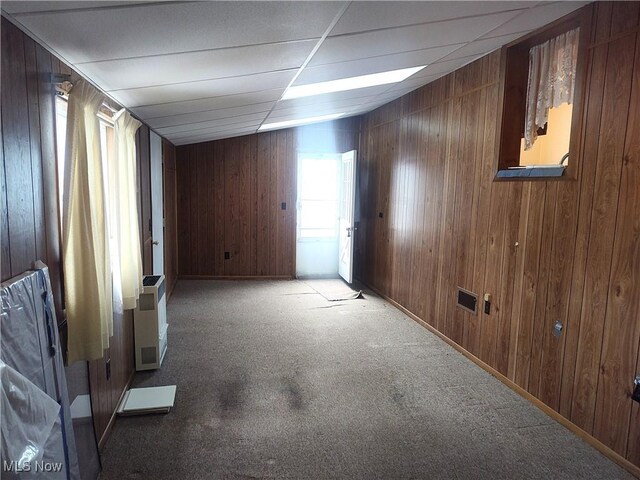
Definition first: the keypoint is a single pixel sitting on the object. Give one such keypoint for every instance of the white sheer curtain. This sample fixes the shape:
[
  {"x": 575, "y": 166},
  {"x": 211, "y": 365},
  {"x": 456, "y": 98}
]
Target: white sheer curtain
[
  {"x": 124, "y": 209},
  {"x": 552, "y": 76},
  {"x": 87, "y": 269}
]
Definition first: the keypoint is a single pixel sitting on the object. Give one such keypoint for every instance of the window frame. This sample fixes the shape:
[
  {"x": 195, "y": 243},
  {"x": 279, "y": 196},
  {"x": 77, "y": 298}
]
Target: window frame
[{"x": 514, "y": 70}]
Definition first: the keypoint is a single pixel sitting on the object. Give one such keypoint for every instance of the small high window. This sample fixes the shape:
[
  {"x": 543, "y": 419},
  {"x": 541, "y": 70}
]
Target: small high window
[{"x": 543, "y": 81}]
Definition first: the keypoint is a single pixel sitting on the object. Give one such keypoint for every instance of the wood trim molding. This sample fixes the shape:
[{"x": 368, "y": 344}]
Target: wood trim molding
[
  {"x": 232, "y": 277},
  {"x": 107, "y": 431},
  {"x": 611, "y": 454}
]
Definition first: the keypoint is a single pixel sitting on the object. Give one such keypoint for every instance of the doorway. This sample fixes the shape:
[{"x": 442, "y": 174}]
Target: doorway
[{"x": 325, "y": 211}]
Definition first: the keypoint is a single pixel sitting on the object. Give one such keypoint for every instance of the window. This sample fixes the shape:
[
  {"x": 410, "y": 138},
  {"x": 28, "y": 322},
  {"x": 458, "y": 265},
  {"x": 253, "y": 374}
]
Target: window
[
  {"x": 318, "y": 196},
  {"x": 107, "y": 145},
  {"x": 543, "y": 76},
  {"x": 61, "y": 142},
  {"x": 107, "y": 151}
]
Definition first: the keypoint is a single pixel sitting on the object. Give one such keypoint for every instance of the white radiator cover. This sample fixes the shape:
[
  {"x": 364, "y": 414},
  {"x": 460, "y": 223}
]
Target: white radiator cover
[{"x": 150, "y": 324}]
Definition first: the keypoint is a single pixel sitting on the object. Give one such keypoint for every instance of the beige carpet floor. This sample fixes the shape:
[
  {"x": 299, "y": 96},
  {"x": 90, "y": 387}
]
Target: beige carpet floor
[{"x": 274, "y": 381}]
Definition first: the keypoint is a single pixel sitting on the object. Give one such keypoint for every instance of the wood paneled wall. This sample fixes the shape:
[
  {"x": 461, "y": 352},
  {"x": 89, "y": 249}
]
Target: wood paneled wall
[
  {"x": 170, "y": 219},
  {"x": 434, "y": 219},
  {"x": 230, "y": 196},
  {"x": 29, "y": 215},
  {"x": 28, "y": 185}
]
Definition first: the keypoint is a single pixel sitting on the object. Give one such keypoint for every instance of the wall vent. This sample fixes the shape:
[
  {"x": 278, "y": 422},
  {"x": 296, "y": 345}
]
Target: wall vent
[{"x": 467, "y": 300}]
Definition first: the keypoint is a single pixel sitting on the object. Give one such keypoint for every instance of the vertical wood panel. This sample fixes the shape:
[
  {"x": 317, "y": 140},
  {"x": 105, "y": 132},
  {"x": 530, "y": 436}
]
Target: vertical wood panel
[
  {"x": 219, "y": 207},
  {"x": 32, "y": 80},
  {"x": 593, "y": 113},
  {"x": 17, "y": 153},
  {"x": 230, "y": 194},
  {"x": 622, "y": 329},
  {"x": 615, "y": 109},
  {"x": 545, "y": 251},
  {"x": 5, "y": 253}
]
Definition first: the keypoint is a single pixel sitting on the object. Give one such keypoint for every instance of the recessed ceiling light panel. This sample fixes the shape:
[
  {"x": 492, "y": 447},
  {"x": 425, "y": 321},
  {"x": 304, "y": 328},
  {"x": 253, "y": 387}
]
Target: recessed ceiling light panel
[{"x": 350, "y": 83}]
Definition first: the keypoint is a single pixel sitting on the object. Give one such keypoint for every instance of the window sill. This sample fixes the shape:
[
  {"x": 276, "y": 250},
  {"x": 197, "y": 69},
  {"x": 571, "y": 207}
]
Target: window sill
[{"x": 532, "y": 172}]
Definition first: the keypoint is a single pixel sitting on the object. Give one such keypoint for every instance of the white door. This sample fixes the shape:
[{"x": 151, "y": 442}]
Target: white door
[
  {"x": 157, "y": 204},
  {"x": 347, "y": 209}
]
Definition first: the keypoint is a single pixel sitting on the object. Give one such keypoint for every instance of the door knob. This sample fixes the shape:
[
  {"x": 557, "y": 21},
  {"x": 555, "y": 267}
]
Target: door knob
[{"x": 156, "y": 242}]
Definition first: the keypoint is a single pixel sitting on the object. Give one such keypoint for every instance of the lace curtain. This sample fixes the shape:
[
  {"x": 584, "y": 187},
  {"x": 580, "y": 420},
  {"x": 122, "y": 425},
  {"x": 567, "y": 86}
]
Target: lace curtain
[{"x": 552, "y": 75}]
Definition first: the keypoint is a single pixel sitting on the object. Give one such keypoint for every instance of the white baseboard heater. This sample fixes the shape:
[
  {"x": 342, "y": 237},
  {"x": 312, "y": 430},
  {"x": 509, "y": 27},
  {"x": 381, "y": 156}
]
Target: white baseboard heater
[{"x": 150, "y": 324}]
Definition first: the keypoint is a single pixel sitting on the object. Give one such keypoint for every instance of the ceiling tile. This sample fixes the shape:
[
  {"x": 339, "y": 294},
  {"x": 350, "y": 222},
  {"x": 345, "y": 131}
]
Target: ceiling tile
[
  {"x": 188, "y": 118},
  {"x": 219, "y": 122},
  {"x": 281, "y": 115},
  {"x": 195, "y": 66},
  {"x": 16, "y": 7},
  {"x": 395, "y": 40},
  {"x": 362, "y": 16},
  {"x": 377, "y": 64},
  {"x": 132, "y": 31},
  {"x": 208, "y": 88},
  {"x": 215, "y": 134},
  {"x": 441, "y": 68},
  {"x": 412, "y": 83},
  {"x": 281, "y": 109},
  {"x": 333, "y": 97},
  {"x": 482, "y": 47},
  {"x": 196, "y": 71},
  {"x": 536, "y": 17},
  {"x": 207, "y": 103}
]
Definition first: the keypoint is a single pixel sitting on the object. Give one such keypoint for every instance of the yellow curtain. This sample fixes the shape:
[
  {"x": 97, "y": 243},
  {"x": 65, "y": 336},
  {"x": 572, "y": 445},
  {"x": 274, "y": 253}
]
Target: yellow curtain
[
  {"x": 124, "y": 201},
  {"x": 87, "y": 271}
]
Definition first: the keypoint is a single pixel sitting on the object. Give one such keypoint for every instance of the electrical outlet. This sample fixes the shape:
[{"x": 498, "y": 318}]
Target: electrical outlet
[
  {"x": 227, "y": 255},
  {"x": 636, "y": 390},
  {"x": 557, "y": 328},
  {"x": 283, "y": 206}
]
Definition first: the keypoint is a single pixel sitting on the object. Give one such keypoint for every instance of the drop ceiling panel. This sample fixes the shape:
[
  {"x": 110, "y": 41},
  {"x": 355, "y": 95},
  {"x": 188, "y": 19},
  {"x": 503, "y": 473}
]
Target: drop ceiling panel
[
  {"x": 208, "y": 88},
  {"x": 195, "y": 66},
  {"x": 310, "y": 108},
  {"x": 537, "y": 17},
  {"x": 362, "y": 16},
  {"x": 207, "y": 103},
  {"x": 140, "y": 30},
  {"x": 214, "y": 136},
  {"x": 190, "y": 127},
  {"x": 482, "y": 47},
  {"x": 222, "y": 132},
  {"x": 333, "y": 97},
  {"x": 395, "y": 40},
  {"x": 36, "y": 6},
  {"x": 297, "y": 114},
  {"x": 209, "y": 115},
  {"x": 442, "y": 68},
  {"x": 377, "y": 64},
  {"x": 413, "y": 83},
  {"x": 197, "y": 71}
]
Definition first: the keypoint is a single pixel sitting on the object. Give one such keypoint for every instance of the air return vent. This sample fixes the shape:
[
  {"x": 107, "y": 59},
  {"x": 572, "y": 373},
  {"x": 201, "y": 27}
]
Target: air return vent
[{"x": 467, "y": 300}]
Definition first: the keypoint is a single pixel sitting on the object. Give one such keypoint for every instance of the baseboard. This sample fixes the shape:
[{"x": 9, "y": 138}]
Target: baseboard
[
  {"x": 232, "y": 277},
  {"x": 107, "y": 431},
  {"x": 594, "y": 442}
]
